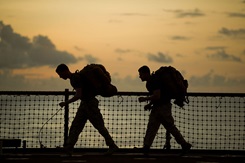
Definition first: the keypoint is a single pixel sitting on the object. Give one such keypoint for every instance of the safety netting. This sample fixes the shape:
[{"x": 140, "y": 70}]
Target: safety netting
[{"x": 208, "y": 122}]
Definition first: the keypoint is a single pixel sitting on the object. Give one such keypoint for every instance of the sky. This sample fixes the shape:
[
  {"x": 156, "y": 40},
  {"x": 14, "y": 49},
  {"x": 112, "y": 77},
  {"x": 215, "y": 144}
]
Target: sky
[{"x": 203, "y": 39}]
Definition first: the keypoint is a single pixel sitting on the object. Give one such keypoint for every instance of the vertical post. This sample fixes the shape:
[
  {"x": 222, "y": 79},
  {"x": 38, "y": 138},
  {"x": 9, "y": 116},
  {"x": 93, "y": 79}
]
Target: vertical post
[
  {"x": 66, "y": 117},
  {"x": 24, "y": 145},
  {"x": 1, "y": 147}
]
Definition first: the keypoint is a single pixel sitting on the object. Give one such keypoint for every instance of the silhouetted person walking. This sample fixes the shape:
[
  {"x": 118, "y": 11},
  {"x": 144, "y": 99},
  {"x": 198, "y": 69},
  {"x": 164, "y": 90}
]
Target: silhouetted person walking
[
  {"x": 88, "y": 110},
  {"x": 161, "y": 111}
]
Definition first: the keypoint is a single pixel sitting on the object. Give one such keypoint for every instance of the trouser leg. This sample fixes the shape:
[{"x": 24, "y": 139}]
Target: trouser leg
[
  {"x": 171, "y": 128},
  {"x": 77, "y": 126},
  {"x": 152, "y": 128},
  {"x": 167, "y": 121},
  {"x": 96, "y": 118},
  {"x": 98, "y": 123}
]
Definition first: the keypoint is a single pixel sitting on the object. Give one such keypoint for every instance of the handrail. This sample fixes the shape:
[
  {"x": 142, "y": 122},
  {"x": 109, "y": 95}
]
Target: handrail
[{"x": 118, "y": 93}]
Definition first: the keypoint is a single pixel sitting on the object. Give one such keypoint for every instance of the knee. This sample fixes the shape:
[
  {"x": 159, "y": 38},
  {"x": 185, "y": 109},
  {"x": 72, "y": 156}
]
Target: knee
[
  {"x": 100, "y": 128},
  {"x": 169, "y": 126}
]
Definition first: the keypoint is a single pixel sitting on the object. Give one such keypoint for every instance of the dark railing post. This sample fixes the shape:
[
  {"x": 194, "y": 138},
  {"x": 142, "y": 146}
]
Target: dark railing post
[{"x": 66, "y": 117}]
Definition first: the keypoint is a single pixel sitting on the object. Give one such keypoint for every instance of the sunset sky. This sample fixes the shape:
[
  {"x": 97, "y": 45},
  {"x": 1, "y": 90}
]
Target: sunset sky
[{"x": 203, "y": 39}]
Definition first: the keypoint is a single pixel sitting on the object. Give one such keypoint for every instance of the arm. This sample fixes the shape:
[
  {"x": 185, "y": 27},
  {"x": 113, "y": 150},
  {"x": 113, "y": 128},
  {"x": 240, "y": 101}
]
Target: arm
[
  {"x": 76, "y": 97},
  {"x": 154, "y": 97}
]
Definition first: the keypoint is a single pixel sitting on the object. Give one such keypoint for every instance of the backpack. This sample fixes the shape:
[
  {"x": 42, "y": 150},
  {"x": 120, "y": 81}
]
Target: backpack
[
  {"x": 99, "y": 80},
  {"x": 174, "y": 84}
]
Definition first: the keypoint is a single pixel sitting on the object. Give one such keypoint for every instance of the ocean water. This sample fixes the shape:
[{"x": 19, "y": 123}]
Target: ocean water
[{"x": 212, "y": 123}]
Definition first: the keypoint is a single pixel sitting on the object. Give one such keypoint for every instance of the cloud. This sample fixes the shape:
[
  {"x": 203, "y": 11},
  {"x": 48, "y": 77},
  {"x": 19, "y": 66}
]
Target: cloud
[
  {"x": 13, "y": 82},
  {"x": 122, "y": 51},
  {"x": 133, "y": 84},
  {"x": 187, "y": 13},
  {"x": 132, "y": 14},
  {"x": 180, "y": 38},
  {"x": 160, "y": 57},
  {"x": 221, "y": 55},
  {"x": 202, "y": 83},
  {"x": 126, "y": 15},
  {"x": 215, "y": 48},
  {"x": 78, "y": 48},
  {"x": 17, "y": 51},
  {"x": 237, "y": 33},
  {"x": 90, "y": 59},
  {"x": 212, "y": 80},
  {"x": 204, "y": 80},
  {"x": 236, "y": 14}
]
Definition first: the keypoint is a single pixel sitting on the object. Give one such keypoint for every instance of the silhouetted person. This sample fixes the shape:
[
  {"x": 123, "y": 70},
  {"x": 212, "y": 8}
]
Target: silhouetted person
[
  {"x": 161, "y": 111},
  {"x": 88, "y": 110}
]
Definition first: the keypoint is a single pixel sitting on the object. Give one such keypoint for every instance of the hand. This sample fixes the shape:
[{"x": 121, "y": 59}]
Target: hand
[
  {"x": 142, "y": 99},
  {"x": 148, "y": 107},
  {"x": 62, "y": 104}
]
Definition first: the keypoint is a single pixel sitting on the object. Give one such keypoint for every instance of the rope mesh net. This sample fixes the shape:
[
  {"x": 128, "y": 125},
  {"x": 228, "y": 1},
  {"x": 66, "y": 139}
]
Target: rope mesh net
[{"x": 207, "y": 122}]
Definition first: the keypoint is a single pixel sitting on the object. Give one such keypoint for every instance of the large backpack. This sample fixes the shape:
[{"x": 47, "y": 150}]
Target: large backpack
[
  {"x": 99, "y": 80},
  {"x": 174, "y": 84}
]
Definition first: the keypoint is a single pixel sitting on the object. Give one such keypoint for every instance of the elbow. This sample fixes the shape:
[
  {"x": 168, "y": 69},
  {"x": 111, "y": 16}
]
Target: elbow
[{"x": 78, "y": 96}]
